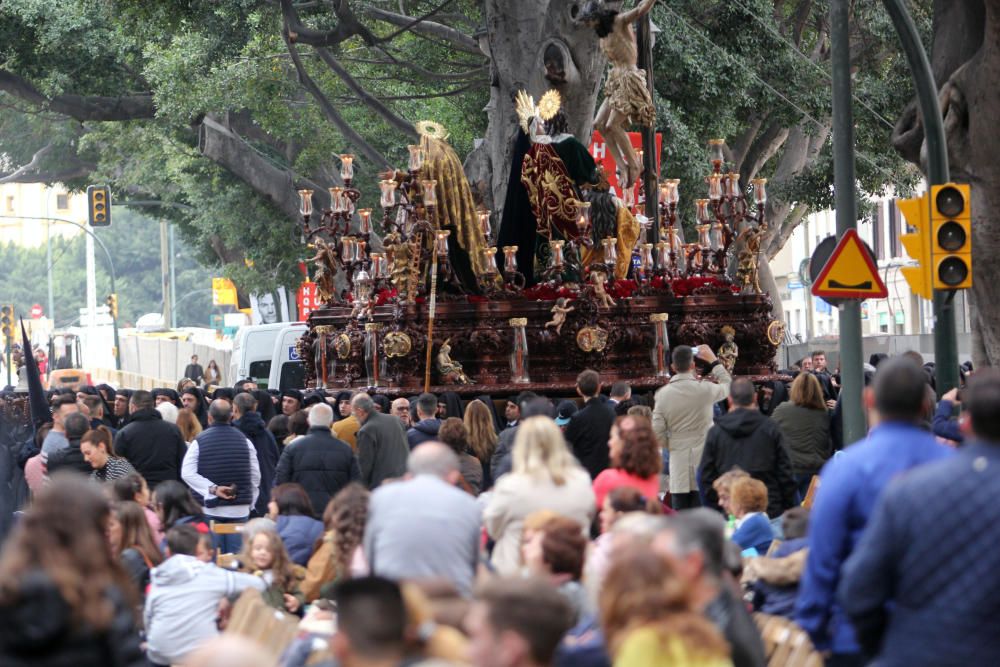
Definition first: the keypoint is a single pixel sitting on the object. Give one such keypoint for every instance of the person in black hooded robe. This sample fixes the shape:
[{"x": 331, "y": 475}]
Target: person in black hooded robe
[
  {"x": 108, "y": 394},
  {"x": 199, "y": 406},
  {"x": 453, "y": 404},
  {"x": 170, "y": 394}
]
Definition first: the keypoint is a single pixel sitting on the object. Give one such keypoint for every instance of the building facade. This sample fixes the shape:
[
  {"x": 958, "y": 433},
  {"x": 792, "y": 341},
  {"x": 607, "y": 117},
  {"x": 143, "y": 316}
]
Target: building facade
[{"x": 26, "y": 210}]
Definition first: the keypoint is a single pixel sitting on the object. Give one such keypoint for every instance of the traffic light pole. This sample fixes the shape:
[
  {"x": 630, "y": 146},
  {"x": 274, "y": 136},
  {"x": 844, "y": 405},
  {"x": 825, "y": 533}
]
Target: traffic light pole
[
  {"x": 945, "y": 338},
  {"x": 847, "y": 218},
  {"x": 111, "y": 271}
]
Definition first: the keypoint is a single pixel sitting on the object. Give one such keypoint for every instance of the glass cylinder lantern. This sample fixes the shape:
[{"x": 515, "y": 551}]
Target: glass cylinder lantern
[
  {"x": 429, "y": 192},
  {"x": 349, "y": 249},
  {"x": 336, "y": 199},
  {"x": 663, "y": 255},
  {"x": 716, "y": 237},
  {"x": 646, "y": 257},
  {"x": 305, "y": 202},
  {"x": 416, "y": 157},
  {"x": 610, "y": 245},
  {"x": 557, "y": 260},
  {"x": 380, "y": 266},
  {"x": 714, "y": 186},
  {"x": 484, "y": 224},
  {"x": 519, "y": 351},
  {"x": 717, "y": 153},
  {"x": 441, "y": 242},
  {"x": 365, "y": 215},
  {"x": 675, "y": 190},
  {"x": 359, "y": 250},
  {"x": 676, "y": 242},
  {"x": 661, "y": 345},
  {"x": 375, "y": 362},
  {"x": 347, "y": 166},
  {"x": 701, "y": 213},
  {"x": 759, "y": 191},
  {"x": 704, "y": 239},
  {"x": 510, "y": 259},
  {"x": 734, "y": 185},
  {"x": 490, "y": 260},
  {"x": 388, "y": 187}
]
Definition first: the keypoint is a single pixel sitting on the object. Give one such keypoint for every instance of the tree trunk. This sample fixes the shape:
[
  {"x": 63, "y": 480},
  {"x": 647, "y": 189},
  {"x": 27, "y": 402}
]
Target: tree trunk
[{"x": 519, "y": 33}]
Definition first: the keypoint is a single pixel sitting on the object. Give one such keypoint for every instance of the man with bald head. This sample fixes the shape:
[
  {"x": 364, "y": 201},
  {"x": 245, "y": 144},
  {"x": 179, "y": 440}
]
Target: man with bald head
[
  {"x": 222, "y": 471},
  {"x": 425, "y": 527}
]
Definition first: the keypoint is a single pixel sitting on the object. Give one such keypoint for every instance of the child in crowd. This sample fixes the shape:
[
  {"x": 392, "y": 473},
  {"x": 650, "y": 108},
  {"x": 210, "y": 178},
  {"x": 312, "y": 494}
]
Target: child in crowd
[
  {"x": 748, "y": 502},
  {"x": 133, "y": 487},
  {"x": 775, "y": 580},
  {"x": 264, "y": 554}
]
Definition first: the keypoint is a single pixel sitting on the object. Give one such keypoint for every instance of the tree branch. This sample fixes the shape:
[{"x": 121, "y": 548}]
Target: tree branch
[
  {"x": 456, "y": 38},
  {"x": 30, "y": 167},
  {"x": 347, "y": 26},
  {"x": 81, "y": 107}
]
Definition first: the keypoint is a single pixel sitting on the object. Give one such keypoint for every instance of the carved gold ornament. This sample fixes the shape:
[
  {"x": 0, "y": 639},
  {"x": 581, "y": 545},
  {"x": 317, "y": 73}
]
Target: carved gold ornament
[
  {"x": 429, "y": 128},
  {"x": 776, "y": 332},
  {"x": 592, "y": 339},
  {"x": 397, "y": 344},
  {"x": 342, "y": 346}
]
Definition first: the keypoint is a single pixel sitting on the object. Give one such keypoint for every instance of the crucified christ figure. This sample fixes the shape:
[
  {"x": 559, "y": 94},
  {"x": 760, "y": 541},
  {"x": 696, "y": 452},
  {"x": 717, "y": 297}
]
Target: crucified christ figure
[{"x": 626, "y": 98}]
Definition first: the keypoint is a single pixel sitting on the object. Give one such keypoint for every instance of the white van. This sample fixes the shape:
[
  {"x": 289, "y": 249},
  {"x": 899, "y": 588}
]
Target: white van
[
  {"x": 287, "y": 370},
  {"x": 255, "y": 348}
]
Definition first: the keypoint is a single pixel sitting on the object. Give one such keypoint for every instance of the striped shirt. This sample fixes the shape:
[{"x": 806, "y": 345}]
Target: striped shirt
[{"x": 115, "y": 468}]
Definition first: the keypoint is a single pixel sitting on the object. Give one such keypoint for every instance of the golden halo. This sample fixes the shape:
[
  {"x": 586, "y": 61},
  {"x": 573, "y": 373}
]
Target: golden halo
[
  {"x": 549, "y": 105},
  {"x": 428, "y": 128}
]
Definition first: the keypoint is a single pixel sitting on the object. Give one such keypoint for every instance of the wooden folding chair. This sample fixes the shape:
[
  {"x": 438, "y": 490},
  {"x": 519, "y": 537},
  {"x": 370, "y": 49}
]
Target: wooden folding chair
[
  {"x": 811, "y": 492},
  {"x": 227, "y": 528},
  {"x": 786, "y": 644},
  {"x": 252, "y": 618}
]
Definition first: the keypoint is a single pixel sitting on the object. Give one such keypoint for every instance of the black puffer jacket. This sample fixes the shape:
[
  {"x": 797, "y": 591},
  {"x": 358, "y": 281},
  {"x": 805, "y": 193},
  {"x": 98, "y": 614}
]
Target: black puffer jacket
[
  {"x": 38, "y": 631},
  {"x": 69, "y": 458},
  {"x": 154, "y": 447},
  {"x": 752, "y": 441},
  {"x": 253, "y": 427},
  {"x": 321, "y": 463}
]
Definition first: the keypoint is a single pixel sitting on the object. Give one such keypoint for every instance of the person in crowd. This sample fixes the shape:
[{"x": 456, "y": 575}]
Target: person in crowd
[
  {"x": 382, "y": 445},
  {"x": 617, "y": 503},
  {"x": 33, "y": 458},
  {"x": 99, "y": 452},
  {"x": 165, "y": 395},
  {"x": 194, "y": 371},
  {"x": 133, "y": 488},
  {"x": 745, "y": 438},
  {"x": 516, "y": 623},
  {"x": 251, "y": 424},
  {"x": 453, "y": 434},
  {"x": 452, "y": 403},
  {"x": 635, "y": 459},
  {"x": 184, "y": 383},
  {"x": 382, "y": 403},
  {"x": 221, "y": 469},
  {"x": 851, "y": 484},
  {"x": 108, "y": 395},
  {"x": 545, "y": 476},
  {"x": 168, "y": 411},
  {"x": 944, "y": 424},
  {"x": 749, "y": 503},
  {"x": 826, "y": 381},
  {"x": 482, "y": 436},
  {"x": 556, "y": 553},
  {"x": 588, "y": 430},
  {"x": 805, "y": 427},
  {"x": 292, "y": 512},
  {"x": 298, "y": 426},
  {"x": 319, "y": 462},
  {"x": 404, "y": 514},
  {"x": 341, "y": 404},
  {"x": 694, "y": 543},
  {"x": 175, "y": 506},
  {"x": 188, "y": 425},
  {"x": 95, "y": 410},
  {"x": 213, "y": 376},
  {"x": 649, "y": 615},
  {"x": 154, "y": 448},
  {"x": 183, "y": 600},
  {"x": 723, "y": 487},
  {"x": 193, "y": 399},
  {"x": 291, "y": 401},
  {"x": 62, "y": 407},
  {"x": 682, "y": 418},
  {"x": 340, "y": 554},
  {"x": 265, "y": 555},
  {"x": 123, "y": 399},
  {"x": 133, "y": 543},
  {"x": 564, "y": 413},
  {"x": 621, "y": 391},
  {"x": 921, "y": 586},
  {"x": 428, "y": 424},
  {"x": 371, "y": 623},
  {"x": 64, "y": 598},
  {"x": 278, "y": 426},
  {"x": 71, "y": 458},
  {"x": 347, "y": 428},
  {"x": 533, "y": 406},
  {"x": 401, "y": 408},
  {"x": 512, "y": 409},
  {"x": 775, "y": 579}
]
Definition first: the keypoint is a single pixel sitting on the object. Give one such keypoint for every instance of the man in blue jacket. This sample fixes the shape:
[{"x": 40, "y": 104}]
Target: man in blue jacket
[
  {"x": 850, "y": 485},
  {"x": 923, "y": 586}
]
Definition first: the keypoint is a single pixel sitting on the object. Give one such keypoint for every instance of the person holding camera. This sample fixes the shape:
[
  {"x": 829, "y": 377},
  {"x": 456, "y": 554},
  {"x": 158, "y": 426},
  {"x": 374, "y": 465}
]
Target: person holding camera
[
  {"x": 222, "y": 471},
  {"x": 682, "y": 417}
]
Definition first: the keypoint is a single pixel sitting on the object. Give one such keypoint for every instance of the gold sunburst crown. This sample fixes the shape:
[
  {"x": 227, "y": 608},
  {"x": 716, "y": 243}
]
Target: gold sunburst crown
[
  {"x": 431, "y": 129},
  {"x": 549, "y": 105}
]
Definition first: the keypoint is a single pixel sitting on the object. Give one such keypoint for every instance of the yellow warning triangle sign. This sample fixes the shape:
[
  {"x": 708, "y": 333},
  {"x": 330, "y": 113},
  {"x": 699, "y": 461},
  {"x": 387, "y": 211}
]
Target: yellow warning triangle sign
[{"x": 850, "y": 273}]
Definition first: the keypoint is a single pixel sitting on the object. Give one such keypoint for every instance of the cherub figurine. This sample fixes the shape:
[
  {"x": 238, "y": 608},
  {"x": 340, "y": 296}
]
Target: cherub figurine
[
  {"x": 559, "y": 313},
  {"x": 599, "y": 279},
  {"x": 451, "y": 370},
  {"x": 728, "y": 351},
  {"x": 325, "y": 260},
  {"x": 626, "y": 97},
  {"x": 746, "y": 272}
]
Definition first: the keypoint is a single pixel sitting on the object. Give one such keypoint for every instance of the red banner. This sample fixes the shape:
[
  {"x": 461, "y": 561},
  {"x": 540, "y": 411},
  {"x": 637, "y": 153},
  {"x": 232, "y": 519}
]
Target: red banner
[
  {"x": 307, "y": 299},
  {"x": 599, "y": 150}
]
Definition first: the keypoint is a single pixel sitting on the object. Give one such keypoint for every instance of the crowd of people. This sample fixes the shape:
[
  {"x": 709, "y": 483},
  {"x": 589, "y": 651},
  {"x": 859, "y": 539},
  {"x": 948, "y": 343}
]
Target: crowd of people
[{"x": 610, "y": 529}]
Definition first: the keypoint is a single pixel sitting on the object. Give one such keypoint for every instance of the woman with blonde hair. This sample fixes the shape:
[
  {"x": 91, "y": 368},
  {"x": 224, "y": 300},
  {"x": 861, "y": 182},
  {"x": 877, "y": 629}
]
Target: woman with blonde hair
[
  {"x": 482, "y": 436},
  {"x": 648, "y": 616},
  {"x": 805, "y": 424},
  {"x": 545, "y": 476}
]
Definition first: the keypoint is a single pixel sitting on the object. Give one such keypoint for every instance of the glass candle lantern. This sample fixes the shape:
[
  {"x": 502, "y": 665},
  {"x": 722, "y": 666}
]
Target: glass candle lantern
[
  {"x": 365, "y": 215},
  {"x": 490, "y": 260},
  {"x": 716, "y": 237},
  {"x": 519, "y": 351},
  {"x": 375, "y": 362},
  {"x": 336, "y": 199},
  {"x": 664, "y": 193},
  {"x": 557, "y": 260},
  {"x": 484, "y": 224},
  {"x": 733, "y": 179},
  {"x": 347, "y": 166},
  {"x": 675, "y": 240},
  {"x": 701, "y": 213},
  {"x": 675, "y": 190},
  {"x": 703, "y": 235},
  {"x": 663, "y": 255},
  {"x": 646, "y": 257},
  {"x": 305, "y": 202},
  {"x": 714, "y": 186},
  {"x": 416, "y": 157},
  {"x": 717, "y": 153},
  {"x": 429, "y": 192},
  {"x": 661, "y": 345},
  {"x": 583, "y": 214},
  {"x": 441, "y": 242},
  {"x": 510, "y": 258},
  {"x": 388, "y": 187},
  {"x": 359, "y": 250},
  {"x": 610, "y": 245},
  {"x": 349, "y": 249},
  {"x": 759, "y": 191},
  {"x": 380, "y": 266}
]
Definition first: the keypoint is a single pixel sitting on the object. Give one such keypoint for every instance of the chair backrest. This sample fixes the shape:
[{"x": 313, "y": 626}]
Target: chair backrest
[
  {"x": 786, "y": 644},
  {"x": 811, "y": 492},
  {"x": 254, "y": 619},
  {"x": 227, "y": 528}
]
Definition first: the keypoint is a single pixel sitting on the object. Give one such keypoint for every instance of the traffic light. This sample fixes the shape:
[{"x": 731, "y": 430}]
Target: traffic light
[
  {"x": 112, "y": 302},
  {"x": 951, "y": 243},
  {"x": 7, "y": 321},
  {"x": 917, "y": 213},
  {"x": 99, "y": 205}
]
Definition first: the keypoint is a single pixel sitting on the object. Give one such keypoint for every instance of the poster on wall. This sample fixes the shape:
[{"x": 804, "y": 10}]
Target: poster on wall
[
  {"x": 308, "y": 299},
  {"x": 601, "y": 154},
  {"x": 270, "y": 307}
]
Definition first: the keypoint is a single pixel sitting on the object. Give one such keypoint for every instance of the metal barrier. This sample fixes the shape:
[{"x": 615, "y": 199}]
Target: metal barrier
[{"x": 126, "y": 380}]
